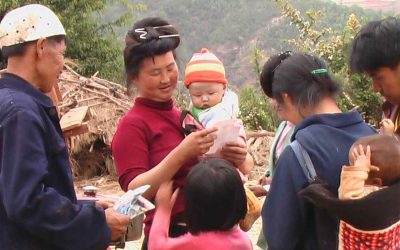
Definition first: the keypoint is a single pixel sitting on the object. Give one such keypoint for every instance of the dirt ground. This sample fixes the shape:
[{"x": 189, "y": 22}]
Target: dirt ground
[{"x": 108, "y": 185}]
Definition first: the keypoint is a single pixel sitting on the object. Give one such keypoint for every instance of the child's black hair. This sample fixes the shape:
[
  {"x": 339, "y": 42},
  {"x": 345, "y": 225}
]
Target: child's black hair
[
  {"x": 303, "y": 77},
  {"x": 376, "y": 45},
  {"x": 147, "y": 39},
  {"x": 214, "y": 196}
]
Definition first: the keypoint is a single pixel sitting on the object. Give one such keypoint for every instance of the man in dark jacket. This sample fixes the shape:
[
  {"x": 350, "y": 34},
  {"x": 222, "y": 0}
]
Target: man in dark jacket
[{"x": 38, "y": 205}]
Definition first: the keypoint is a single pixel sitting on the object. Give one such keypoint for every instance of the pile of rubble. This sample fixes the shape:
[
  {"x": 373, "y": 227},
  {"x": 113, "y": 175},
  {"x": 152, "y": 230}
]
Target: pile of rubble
[{"x": 93, "y": 108}]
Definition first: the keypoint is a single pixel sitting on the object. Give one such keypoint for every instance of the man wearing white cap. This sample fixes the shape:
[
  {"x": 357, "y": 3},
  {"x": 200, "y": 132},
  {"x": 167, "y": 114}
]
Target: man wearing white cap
[{"x": 38, "y": 204}]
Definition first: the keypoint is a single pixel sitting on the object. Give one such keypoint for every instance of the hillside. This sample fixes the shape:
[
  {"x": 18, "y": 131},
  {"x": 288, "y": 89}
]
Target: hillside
[{"x": 232, "y": 28}]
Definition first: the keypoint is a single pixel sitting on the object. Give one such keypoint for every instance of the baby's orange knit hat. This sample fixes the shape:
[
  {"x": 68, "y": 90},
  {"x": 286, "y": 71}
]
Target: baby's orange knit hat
[{"x": 204, "y": 67}]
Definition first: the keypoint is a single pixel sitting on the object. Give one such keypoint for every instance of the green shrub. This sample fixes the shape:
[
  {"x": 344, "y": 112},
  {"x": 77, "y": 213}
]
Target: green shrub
[
  {"x": 333, "y": 46},
  {"x": 256, "y": 111}
]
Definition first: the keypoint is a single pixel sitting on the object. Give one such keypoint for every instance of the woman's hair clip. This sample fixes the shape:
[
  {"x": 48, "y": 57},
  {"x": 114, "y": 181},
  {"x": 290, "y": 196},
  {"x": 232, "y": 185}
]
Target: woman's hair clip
[
  {"x": 319, "y": 71},
  {"x": 143, "y": 32},
  {"x": 283, "y": 56}
]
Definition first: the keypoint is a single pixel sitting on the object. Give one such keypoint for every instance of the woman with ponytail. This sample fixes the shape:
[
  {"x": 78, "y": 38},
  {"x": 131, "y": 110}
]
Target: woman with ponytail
[{"x": 305, "y": 94}]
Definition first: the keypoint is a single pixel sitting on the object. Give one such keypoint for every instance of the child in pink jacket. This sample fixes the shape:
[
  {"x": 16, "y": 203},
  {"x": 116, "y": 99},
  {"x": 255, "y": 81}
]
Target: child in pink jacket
[{"x": 215, "y": 202}]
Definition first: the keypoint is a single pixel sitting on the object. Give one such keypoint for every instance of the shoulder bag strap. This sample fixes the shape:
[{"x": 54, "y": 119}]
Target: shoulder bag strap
[{"x": 304, "y": 160}]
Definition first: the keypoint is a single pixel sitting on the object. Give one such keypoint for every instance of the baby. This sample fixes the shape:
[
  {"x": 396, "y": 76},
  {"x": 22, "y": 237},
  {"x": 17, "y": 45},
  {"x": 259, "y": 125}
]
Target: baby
[
  {"x": 212, "y": 104},
  {"x": 366, "y": 173},
  {"x": 211, "y": 101},
  {"x": 368, "y": 206}
]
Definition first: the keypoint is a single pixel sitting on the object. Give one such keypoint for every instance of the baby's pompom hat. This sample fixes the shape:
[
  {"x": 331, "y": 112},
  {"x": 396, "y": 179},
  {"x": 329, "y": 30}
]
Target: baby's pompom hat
[{"x": 204, "y": 67}]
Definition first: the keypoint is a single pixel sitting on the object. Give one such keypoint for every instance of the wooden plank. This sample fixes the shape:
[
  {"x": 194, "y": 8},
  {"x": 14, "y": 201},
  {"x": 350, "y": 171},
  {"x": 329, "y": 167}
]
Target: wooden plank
[
  {"x": 74, "y": 118},
  {"x": 260, "y": 133},
  {"x": 84, "y": 128},
  {"x": 94, "y": 84}
]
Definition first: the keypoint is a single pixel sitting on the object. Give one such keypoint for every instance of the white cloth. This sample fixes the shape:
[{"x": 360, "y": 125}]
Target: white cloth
[{"x": 227, "y": 109}]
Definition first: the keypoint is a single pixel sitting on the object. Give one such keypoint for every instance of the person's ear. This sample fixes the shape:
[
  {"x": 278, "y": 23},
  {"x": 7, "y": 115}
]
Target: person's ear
[
  {"x": 40, "y": 44},
  {"x": 274, "y": 104},
  {"x": 286, "y": 98},
  {"x": 132, "y": 79},
  {"x": 224, "y": 86}
]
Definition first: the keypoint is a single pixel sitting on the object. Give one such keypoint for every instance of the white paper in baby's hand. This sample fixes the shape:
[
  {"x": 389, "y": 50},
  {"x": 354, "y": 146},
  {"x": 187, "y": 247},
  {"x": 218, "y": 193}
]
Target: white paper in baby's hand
[{"x": 228, "y": 131}]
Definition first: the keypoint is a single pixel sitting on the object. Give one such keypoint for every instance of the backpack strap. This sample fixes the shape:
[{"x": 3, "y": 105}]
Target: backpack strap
[{"x": 305, "y": 161}]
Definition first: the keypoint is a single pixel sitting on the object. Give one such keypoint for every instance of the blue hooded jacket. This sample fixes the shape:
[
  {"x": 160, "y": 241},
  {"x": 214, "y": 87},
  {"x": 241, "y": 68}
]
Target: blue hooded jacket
[{"x": 289, "y": 221}]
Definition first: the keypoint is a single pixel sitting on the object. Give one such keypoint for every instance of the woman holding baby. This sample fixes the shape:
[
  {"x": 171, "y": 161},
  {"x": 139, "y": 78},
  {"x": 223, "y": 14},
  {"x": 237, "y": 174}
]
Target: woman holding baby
[{"x": 149, "y": 146}]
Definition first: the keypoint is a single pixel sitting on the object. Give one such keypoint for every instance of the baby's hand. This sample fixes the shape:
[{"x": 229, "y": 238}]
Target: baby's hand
[
  {"x": 363, "y": 159},
  {"x": 387, "y": 126}
]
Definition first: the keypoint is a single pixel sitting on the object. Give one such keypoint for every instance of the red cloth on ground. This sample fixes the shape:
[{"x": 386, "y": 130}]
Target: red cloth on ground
[{"x": 144, "y": 137}]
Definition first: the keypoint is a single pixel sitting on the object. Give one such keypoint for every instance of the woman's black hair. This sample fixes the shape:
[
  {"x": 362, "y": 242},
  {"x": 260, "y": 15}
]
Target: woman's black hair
[
  {"x": 376, "y": 45},
  {"x": 148, "y": 37},
  {"x": 303, "y": 77},
  {"x": 214, "y": 196}
]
